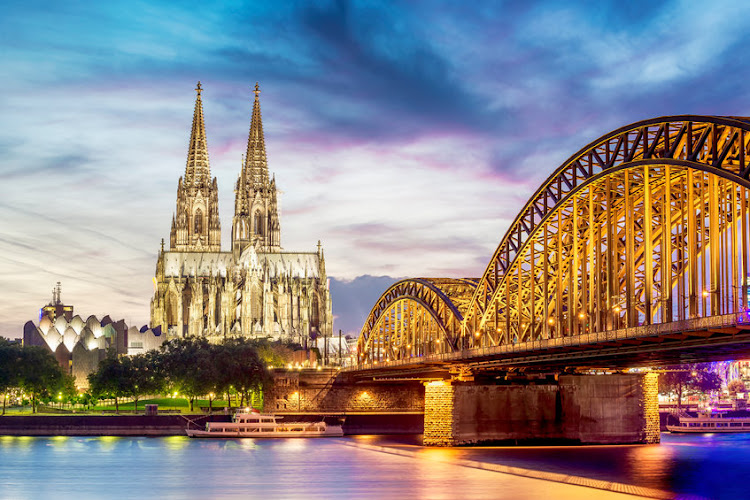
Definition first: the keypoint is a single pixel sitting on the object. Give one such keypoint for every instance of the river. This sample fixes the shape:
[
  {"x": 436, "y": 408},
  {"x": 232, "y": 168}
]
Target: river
[{"x": 704, "y": 466}]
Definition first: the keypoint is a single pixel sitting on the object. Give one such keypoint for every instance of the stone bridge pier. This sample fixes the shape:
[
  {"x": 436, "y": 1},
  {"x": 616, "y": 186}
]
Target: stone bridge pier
[
  {"x": 582, "y": 409},
  {"x": 585, "y": 409}
]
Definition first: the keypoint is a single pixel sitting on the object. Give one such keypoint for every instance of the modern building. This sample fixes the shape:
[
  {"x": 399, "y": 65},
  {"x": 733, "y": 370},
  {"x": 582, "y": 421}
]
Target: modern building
[
  {"x": 80, "y": 344},
  {"x": 254, "y": 289}
]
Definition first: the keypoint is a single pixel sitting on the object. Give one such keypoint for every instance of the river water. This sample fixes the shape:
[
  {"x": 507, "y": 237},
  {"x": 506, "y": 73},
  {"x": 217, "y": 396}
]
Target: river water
[{"x": 707, "y": 466}]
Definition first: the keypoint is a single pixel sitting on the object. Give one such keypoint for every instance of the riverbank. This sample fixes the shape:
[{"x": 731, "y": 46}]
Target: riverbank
[
  {"x": 175, "y": 425},
  {"x": 102, "y": 425}
]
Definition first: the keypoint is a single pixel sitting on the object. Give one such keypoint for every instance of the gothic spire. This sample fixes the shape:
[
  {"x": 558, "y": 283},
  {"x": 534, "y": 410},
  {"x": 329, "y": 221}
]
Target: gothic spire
[
  {"x": 256, "y": 167},
  {"x": 197, "y": 170}
]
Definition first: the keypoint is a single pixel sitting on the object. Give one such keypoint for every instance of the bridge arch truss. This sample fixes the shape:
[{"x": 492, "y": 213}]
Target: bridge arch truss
[
  {"x": 415, "y": 317},
  {"x": 649, "y": 224}
]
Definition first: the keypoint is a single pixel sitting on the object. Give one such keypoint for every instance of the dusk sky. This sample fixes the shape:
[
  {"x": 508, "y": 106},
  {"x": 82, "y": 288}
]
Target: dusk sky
[{"x": 405, "y": 136}]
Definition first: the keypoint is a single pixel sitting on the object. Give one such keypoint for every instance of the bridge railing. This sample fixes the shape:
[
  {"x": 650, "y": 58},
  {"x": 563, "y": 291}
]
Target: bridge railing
[{"x": 695, "y": 324}]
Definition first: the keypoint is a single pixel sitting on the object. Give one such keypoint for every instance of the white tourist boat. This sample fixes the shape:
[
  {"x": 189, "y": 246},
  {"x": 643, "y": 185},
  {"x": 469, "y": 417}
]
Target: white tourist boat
[
  {"x": 261, "y": 425},
  {"x": 708, "y": 421}
]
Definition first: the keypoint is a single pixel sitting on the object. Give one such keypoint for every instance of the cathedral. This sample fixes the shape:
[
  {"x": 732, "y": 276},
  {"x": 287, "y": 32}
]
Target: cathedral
[{"x": 256, "y": 288}]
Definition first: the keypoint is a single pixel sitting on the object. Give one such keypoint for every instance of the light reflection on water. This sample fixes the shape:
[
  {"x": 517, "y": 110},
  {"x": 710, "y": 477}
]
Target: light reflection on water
[
  {"x": 704, "y": 465},
  {"x": 177, "y": 467}
]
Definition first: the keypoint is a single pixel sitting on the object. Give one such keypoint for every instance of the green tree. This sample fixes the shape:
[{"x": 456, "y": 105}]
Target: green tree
[
  {"x": 9, "y": 367},
  {"x": 108, "y": 380},
  {"x": 40, "y": 375},
  {"x": 187, "y": 365},
  {"x": 273, "y": 353},
  {"x": 139, "y": 376},
  {"x": 241, "y": 367}
]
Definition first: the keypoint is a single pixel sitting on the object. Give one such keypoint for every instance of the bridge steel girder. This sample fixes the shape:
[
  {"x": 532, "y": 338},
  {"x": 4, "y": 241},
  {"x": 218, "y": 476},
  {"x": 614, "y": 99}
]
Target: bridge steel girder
[
  {"x": 647, "y": 226},
  {"x": 554, "y": 273},
  {"x": 414, "y": 317}
]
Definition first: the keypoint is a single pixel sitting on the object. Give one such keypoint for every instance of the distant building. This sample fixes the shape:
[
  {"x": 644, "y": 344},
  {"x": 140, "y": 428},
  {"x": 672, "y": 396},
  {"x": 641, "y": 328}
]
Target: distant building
[
  {"x": 256, "y": 289},
  {"x": 79, "y": 345},
  {"x": 56, "y": 308}
]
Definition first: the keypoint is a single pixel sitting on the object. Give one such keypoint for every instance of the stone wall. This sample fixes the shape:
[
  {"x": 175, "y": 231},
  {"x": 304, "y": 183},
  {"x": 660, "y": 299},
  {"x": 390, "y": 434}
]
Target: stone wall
[
  {"x": 326, "y": 391},
  {"x": 650, "y": 383},
  {"x": 439, "y": 422},
  {"x": 606, "y": 409},
  {"x": 586, "y": 409}
]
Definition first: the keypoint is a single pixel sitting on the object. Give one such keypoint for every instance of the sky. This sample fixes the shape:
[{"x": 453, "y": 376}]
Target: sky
[{"x": 405, "y": 136}]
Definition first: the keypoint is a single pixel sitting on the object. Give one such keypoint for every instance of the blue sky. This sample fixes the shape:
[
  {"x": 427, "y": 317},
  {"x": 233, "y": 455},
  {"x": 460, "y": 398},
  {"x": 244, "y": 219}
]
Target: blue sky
[{"x": 404, "y": 135}]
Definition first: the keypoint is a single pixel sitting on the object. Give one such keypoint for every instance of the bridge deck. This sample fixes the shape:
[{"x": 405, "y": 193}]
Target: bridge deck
[{"x": 701, "y": 339}]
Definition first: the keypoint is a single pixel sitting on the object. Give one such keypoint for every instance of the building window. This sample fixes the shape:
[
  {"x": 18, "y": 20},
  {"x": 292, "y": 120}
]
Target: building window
[
  {"x": 198, "y": 223},
  {"x": 258, "y": 224},
  {"x": 136, "y": 345}
]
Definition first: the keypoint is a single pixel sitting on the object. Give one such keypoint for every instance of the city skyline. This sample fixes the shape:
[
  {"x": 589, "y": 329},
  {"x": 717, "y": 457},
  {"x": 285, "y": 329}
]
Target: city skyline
[{"x": 405, "y": 138}]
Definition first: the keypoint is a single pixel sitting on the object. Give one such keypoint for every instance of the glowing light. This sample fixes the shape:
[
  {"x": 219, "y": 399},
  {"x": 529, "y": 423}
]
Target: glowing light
[
  {"x": 477, "y": 334},
  {"x": 694, "y": 373},
  {"x": 617, "y": 309},
  {"x": 434, "y": 383},
  {"x": 523, "y": 325},
  {"x": 551, "y": 321},
  {"x": 705, "y": 293},
  {"x": 581, "y": 315},
  {"x": 320, "y": 367}
]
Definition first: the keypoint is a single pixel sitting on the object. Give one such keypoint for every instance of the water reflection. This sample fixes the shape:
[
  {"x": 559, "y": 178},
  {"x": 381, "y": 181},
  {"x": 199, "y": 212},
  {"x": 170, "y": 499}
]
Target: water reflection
[
  {"x": 106, "y": 444},
  {"x": 711, "y": 466},
  {"x": 649, "y": 465},
  {"x": 177, "y": 467}
]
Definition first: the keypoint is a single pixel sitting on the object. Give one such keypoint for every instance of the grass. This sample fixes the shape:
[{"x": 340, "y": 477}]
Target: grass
[{"x": 178, "y": 404}]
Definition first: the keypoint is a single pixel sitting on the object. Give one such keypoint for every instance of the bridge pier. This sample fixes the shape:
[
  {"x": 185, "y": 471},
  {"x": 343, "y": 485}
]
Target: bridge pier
[{"x": 585, "y": 409}]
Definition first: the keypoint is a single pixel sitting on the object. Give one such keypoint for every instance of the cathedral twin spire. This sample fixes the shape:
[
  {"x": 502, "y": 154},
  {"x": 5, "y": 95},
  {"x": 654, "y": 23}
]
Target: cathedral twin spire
[
  {"x": 195, "y": 226},
  {"x": 197, "y": 169},
  {"x": 256, "y": 218}
]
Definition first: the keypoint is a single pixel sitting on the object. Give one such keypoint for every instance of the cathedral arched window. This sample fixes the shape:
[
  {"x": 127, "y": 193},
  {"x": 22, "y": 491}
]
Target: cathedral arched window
[
  {"x": 198, "y": 222},
  {"x": 258, "y": 224}
]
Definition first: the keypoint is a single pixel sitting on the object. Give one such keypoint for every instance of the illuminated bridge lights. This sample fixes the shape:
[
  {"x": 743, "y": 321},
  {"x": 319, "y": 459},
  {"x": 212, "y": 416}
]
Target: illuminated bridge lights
[{"x": 647, "y": 226}]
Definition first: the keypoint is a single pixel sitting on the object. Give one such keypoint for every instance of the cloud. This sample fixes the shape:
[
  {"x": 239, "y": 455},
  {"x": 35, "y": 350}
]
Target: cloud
[{"x": 405, "y": 136}]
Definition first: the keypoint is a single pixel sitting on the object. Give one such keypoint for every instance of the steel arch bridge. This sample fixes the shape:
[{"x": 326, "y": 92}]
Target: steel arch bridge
[{"x": 643, "y": 233}]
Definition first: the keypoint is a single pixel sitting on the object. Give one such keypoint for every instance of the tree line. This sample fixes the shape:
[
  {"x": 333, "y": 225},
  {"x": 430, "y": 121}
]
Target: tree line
[
  {"x": 33, "y": 370},
  {"x": 190, "y": 366}
]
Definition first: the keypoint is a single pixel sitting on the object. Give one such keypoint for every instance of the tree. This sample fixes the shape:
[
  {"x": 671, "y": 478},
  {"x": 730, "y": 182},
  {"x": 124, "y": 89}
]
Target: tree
[
  {"x": 39, "y": 374},
  {"x": 735, "y": 386},
  {"x": 139, "y": 376},
  {"x": 685, "y": 378},
  {"x": 187, "y": 364},
  {"x": 241, "y": 367},
  {"x": 273, "y": 353},
  {"x": 9, "y": 367},
  {"x": 108, "y": 379}
]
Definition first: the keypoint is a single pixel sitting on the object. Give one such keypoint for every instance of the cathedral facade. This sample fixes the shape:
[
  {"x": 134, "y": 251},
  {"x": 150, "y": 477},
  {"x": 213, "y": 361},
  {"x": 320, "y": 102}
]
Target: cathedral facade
[{"x": 255, "y": 289}]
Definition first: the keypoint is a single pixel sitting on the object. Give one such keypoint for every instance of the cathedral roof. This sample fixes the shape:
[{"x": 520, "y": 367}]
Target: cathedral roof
[
  {"x": 197, "y": 169},
  {"x": 274, "y": 264}
]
